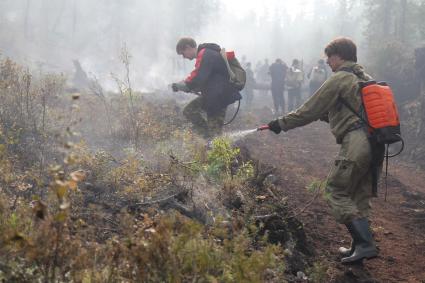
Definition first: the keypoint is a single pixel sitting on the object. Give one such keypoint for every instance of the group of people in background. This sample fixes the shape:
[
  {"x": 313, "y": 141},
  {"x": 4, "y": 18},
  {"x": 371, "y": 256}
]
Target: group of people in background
[{"x": 277, "y": 78}]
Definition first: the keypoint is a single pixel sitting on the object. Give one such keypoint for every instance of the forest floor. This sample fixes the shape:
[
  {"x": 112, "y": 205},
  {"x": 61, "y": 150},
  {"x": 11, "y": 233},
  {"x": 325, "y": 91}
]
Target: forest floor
[
  {"x": 304, "y": 155},
  {"x": 287, "y": 206}
]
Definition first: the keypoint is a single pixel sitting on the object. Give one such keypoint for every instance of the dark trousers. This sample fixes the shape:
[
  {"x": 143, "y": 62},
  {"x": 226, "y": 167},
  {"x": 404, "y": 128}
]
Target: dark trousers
[
  {"x": 209, "y": 126},
  {"x": 294, "y": 98},
  {"x": 278, "y": 98}
]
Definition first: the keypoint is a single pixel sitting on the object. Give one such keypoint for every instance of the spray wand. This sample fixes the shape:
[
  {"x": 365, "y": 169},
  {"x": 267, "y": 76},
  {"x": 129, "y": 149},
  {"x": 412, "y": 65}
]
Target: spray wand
[{"x": 263, "y": 127}]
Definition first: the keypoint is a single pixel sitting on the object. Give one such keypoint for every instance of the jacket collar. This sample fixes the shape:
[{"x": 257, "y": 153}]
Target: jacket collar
[{"x": 346, "y": 64}]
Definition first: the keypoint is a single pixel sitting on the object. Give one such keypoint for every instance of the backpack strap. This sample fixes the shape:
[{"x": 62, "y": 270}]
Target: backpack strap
[{"x": 346, "y": 104}]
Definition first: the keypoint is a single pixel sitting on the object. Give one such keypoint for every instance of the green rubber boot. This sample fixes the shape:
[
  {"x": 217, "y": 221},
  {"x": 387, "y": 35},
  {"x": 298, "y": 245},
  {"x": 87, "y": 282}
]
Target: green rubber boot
[{"x": 364, "y": 246}]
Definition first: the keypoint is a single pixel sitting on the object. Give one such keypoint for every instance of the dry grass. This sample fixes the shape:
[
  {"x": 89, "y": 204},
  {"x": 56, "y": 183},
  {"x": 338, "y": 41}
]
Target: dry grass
[{"x": 74, "y": 211}]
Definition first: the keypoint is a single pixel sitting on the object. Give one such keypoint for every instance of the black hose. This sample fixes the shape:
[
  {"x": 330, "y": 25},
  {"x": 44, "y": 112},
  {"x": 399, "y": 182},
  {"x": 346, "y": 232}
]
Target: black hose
[
  {"x": 386, "y": 171},
  {"x": 401, "y": 149},
  {"x": 234, "y": 115}
]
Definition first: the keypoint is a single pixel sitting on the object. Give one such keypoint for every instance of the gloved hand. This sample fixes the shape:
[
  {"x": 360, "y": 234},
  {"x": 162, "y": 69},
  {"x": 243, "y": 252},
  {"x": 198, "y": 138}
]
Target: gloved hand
[
  {"x": 174, "y": 87},
  {"x": 274, "y": 126},
  {"x": 180, "y": 86}
]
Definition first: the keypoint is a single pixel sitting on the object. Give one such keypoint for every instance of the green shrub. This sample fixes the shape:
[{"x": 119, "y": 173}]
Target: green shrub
[
  {"x": 222, "y": 161},
  {"x": 318, "y": 273},
  {"x": 220, "y": 158}
]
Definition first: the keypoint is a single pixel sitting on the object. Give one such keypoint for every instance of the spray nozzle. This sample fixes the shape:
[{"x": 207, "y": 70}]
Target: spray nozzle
[{"x": 263, "y": 127}]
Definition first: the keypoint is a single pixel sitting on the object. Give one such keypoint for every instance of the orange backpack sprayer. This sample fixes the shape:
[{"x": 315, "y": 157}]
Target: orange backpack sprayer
[
  {"x": 380, "y": 112},
  {"x": 380, "y": 115}
]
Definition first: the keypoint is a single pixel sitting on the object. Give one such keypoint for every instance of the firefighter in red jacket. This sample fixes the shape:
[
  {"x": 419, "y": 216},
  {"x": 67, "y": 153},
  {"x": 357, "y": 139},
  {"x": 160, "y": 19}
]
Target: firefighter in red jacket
[{"x": 209, "y": 79}]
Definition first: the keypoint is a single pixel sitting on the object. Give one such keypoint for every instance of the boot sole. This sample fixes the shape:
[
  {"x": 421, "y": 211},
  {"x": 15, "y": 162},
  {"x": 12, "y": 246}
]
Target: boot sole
[{"x": 368, "y": 255}]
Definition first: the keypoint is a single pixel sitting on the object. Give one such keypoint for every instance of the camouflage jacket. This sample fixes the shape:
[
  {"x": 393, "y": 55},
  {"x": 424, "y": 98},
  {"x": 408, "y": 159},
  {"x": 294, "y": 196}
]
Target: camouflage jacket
[{"x": 326, "y": 105}]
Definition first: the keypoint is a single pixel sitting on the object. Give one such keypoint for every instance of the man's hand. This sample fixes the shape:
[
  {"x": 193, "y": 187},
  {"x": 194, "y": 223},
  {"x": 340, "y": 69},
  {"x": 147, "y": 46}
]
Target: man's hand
[
  {"x": 274, "y": 126},
  {"x": 180, "y": 86}
]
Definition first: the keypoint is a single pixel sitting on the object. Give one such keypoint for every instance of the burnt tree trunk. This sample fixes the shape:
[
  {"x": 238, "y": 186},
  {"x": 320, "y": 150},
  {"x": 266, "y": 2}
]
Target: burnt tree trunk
[
  {"x": 387, "y": 17},
  {"x": 402, "y": 25},
  {"x": 420, "y": 73},
  {"x": 74, "y": 18},
  {"x": 26, "y": 19}
]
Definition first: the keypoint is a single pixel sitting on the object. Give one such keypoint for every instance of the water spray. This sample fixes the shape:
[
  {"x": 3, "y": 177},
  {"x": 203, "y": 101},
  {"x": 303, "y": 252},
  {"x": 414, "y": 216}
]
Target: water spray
[{"x": 234, "y": 136}]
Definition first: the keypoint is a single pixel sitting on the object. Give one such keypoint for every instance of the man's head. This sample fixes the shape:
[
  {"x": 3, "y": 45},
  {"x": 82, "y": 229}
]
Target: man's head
[
  {"x": 186, "y": 47},
  {"x": 340, "y": 50},
  {"x": 296, "y": 63}
]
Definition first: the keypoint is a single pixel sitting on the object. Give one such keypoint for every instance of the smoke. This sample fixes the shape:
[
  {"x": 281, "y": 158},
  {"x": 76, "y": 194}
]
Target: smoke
[{"x": 47, "y": 35}]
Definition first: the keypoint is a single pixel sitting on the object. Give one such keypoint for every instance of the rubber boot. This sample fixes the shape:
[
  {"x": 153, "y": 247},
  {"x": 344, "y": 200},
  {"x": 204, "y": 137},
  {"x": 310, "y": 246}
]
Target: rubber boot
[
  {"x": 343, "y": 251},
  {"x": 364, "y": 245}
]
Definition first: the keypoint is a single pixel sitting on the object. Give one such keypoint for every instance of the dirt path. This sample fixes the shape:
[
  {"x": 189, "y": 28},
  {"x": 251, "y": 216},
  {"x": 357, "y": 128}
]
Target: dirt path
[{"x": 304, "y": 155}]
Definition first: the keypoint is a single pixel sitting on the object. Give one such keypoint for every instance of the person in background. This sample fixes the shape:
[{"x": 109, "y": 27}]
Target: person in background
[
  {"x": 318, "y": 75},
  {"x": 248, "y": 91},
  {"x": 278, "y": 73},
  {"x": 294, "y": 80},
  {"x": 263, "y": 79}
]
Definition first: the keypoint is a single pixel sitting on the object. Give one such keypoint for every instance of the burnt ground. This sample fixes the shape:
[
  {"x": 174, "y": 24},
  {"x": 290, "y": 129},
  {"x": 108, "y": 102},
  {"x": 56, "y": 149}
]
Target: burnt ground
[{"x": 304, "y": 155}]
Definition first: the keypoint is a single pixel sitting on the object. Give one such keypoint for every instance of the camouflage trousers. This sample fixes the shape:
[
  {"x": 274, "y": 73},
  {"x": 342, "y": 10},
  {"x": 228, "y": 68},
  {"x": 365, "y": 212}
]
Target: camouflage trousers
[
  {"x": 206, "y": 124},
  {"x": 349, "y": 184}
]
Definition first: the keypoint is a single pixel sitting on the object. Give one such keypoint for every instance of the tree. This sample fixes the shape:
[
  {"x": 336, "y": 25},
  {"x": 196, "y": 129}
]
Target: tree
[{"x": 390, "y": 46}]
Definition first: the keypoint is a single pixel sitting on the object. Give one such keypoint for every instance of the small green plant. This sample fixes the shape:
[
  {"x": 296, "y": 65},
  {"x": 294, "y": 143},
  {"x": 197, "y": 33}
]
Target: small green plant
[
  {"x": 246, "y": 170},
  {"x": 220, "y": 158},
  {"x": 317, "y": 185},
  {"x": 318, "y": 273}
]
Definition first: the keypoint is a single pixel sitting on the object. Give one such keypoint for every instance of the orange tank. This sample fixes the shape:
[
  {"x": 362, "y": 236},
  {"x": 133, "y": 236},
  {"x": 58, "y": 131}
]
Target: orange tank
[
  {"x": 380, "y": 106},
  {"x": 381, "y": 111}
]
